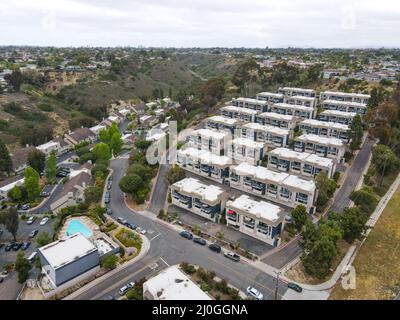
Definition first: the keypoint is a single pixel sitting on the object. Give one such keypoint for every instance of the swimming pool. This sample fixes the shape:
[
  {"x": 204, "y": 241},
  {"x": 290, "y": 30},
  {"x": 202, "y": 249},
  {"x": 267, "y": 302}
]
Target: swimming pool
[{"x": 76, "y": 226}]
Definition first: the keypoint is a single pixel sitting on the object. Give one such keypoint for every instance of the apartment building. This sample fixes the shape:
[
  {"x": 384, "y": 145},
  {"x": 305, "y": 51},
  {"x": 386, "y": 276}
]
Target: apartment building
[
  {"x": 293, "y": 110},
  {"x": 344, "y": 96},
  {"x": 325, "y": 129},
  {"x": 301, "y": 101},
  {"x": 209, "y": 140},
  {"x": 243, "y": 114},
  {"x": 221, "y": 123},
  {"x": 276, "y": 120},
  {"x": 270, "y": 97},
  {"x": 300, "y": 163},
  {"x": 278, "y": 187},
  {"x": 204, "y": 163},
  {"x": 289, "y": 92},
  {"x": 246, "y": 150},
  {"x": 49, "y": 147},
  {"x": 258, "y": 219},
  {"x": 345, "y": 106},
  {"x": 272, "y": 136},
  {"x": 332, "y": 148},
  {"x": 202, "y": 199},
  {"x": 337, "y": 116},
  {"x": 250, "y": 103}
]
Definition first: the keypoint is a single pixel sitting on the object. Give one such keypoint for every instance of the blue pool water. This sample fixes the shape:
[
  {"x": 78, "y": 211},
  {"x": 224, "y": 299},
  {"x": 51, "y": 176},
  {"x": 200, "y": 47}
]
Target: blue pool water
[{"x": 76, "y": 226}]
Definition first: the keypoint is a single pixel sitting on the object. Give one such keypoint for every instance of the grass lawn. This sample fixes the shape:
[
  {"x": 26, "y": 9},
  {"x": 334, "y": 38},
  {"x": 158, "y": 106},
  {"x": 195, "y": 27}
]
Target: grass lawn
[{"x": 377, "y": 263}]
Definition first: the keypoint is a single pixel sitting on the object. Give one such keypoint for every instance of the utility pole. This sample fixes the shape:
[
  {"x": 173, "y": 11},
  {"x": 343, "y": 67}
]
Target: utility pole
[{"x": 277, "y": 284}]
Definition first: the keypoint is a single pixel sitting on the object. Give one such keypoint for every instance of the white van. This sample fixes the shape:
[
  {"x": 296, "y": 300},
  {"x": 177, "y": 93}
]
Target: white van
[{"x": 32, "y": 257}]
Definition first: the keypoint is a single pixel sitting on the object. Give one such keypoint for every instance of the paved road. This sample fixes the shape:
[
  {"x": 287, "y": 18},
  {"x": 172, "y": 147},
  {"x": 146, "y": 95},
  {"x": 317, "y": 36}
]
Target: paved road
[
  {"x": 168, "y": 248},
  {"x": 160, "y": 190}
]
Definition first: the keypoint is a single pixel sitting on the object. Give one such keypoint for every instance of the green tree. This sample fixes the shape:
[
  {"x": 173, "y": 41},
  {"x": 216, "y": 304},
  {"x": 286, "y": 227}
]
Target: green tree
[
  {"x": 352, "y": 221},
  {"x": 37, "y": 160},
  {"x": 93, "y": 194},
  {"x": 51, "y": 168},
  {"x": 109, "y": 262},
  {"x": 130, "y": 183},
  {"x": 32, "y": 183},
  {"x": 15, "y": 79},
  {"x": 175, "y": 174},
  {"x": 364, "y": 199},
  {"x": 356, "y": 133},
  {"x": 15, "y": 194},
  {"x": 326, "y": 188},
  {"x": 384, "y": 159},
  {"x": 300, "y": 216},
  {"x": 5, "y": 159},
  {"x": 43, "y": 238},
  {"x": 22, "y": 266},
  {"x": 11, "y": 221},
  {"x": 116, "y": 143},
  {"x": 102, "y": 151}
]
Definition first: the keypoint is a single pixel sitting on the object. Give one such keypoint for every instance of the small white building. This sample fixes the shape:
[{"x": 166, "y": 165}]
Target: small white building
[
  {"x": 7, "y": 185},
  {"x": 269, "y": 135},
  {"x": 221, "y": 123},
  {"x": 277, "y": 120},
  {"x": 239, "y": 113},
  {"x": 259, "y": 219},
  {"x": 96, "y": 129},
  {"x": 246, "y": 150},
  {"x": 209, "y": 140},
  {"x": 49, "y": 147},
  {"x": 172, "y": 284},
  {"x": 333, "y": 148},
  {"x": 337, "y": 116},
  {"x": 290, "y": 91},
  {"x": 344, "y": 96},
  {"x": 345, "y": 106},
  {"x": 298, "y": 111},
  {"x": 270, "y": 97},
  {"x": 249, "y": 103},
  {"x": 325, "y": 129},
  {"x": 301, "y": 101},
  {"x": 205, "y": 200}
]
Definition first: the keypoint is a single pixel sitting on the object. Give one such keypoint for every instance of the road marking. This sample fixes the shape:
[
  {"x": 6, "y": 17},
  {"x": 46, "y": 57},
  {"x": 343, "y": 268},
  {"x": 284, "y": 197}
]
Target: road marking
[
  {"x": 164, "y": 261},
  {"x": 155, "y": 237},
  {"x": 241, "y": 274}
]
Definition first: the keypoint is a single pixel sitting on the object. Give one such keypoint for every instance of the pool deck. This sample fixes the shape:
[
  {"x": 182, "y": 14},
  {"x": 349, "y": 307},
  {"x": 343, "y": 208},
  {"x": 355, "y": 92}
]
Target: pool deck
[{"x": 86, "y": 221}]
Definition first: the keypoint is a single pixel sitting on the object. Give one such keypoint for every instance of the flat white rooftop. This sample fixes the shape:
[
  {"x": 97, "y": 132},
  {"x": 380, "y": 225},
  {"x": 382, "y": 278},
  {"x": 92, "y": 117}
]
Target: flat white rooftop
[
  {"x": 345, "y": 103},
  {"x": 224, "y": 120},
  {"x": 240, "y": 110},
  {"x": 345, "y": 94},
  {"x": 298, "y": 183},
  {"x": 320, "y": 140},
  {"x": 257, "y": 209},
  {"x": 319, "y": 161},
  {"x": 208, "y": 133},
  {"x": 97, "y": 128},
  {"x": 324, "y": 124},
  {"x": 297, "y": 89},
  {"x": 8, "y": 187},
  {"x": 266, "y": 128},
  {"x": 173, "y": 284},
  {"x": 289, "y": 154},
  {"x": 204, "y": 157},
  {"x": 293, "y": 106},
  {"x": 338, "y": 113},
  {"x": 270, "y": 94},
  {"x": 302, "y": 98},
  {"x": 248, "y": 143},
  {"x": 250, "y": 100},
  {"x": 67, "y": 250},
  {"x": 47, "y": 145},
  {"x": 276, "y": 116},
  {"x": 207, "y": 192}
]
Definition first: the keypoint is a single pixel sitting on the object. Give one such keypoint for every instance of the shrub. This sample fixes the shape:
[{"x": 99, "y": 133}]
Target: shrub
[
  {"x": 109, "y": 262},
  {"x": 129, "y": 239}
]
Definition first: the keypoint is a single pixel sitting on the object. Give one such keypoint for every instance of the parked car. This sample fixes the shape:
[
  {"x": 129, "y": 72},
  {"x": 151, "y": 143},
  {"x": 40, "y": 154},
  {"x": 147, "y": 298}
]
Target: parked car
[
  {"x": 141, "y": 230},
  {"x": 254, "y": 293},
  {"x": 295, "y": 287},
  {"x": 45, "y": 194},
  {"x": 200, "y": 241},
  {"x": 17, "y": 246},
  {"x": 44, "y": 221},
  {"x": 62, "y": 174},
  {"x": 109, "y": 185},
  {"x": 186, "y": 234},
  {"x": 25, "y": 206},
  {"x": 215, "y": 247},
  {"x": 131, "y": 226},
  {"x": 125, "y": 288},
  {"x": 231, "y": 255},
  {"x": 122, "y": 220},
  {"x": 31, "y": 220},
  {"x": 109, "y": 210},
  {"x": 25, "y": 245},
  {"x": 8, "y": 247},
  {"x": 33, "y": 233}
]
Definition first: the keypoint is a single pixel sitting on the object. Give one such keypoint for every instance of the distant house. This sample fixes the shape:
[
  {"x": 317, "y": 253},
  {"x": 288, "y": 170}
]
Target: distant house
[
  {"x": 8, "y": 184},
  {"x": 139, "y": 108},
  {"x": 80, "y": 135},
  {"x": 48, "y": 147},
  {"x": 64, "y": 146},
  {"x": 72, "y": 192},
  {"x": 96, "y": 129},
  {"x": 19, "y": 159}
]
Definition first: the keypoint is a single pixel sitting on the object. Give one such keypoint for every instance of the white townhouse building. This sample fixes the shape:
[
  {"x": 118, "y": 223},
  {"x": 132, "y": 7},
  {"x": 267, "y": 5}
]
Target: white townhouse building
[
  {"x": 325, "y": 129},
  {"x": 209, "y": 140},
  {"x": 246, "y": 150},
  {"x": 204, "y": 163},
  {"x": 337, "y": 116},
  {"x": 305, "y": 164},
  {"x": 332, "y": 148},
  {"x": 258, "y": 219},
  {"x": 270, "y": 97},
  {"x": 97, "y": 128},
  {"x": 48, "y": 147},
  {"x": 239, "y": 113},
  {"x": 344, "y": 96},
  {"x": 278, "y": 187},
  {"x": 293, "y": 110},
  {"x": 345, "y": 106},
  {"x": 301, "y": 101},
  {"x": 277, "y": 120},
  {"x": 272, "y": 136},
  {"x": 250, "y": 103},
  {"x": 221, "y": 123},
  {"x": 205, "y": 200},
  {"x": 289, "y": 91}
]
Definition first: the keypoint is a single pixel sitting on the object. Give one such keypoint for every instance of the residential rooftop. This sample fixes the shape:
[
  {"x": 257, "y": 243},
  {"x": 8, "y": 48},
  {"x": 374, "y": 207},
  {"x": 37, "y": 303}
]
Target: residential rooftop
[
  {"x": 338, "y": 113},
  {"x": 320, "y": 140},
  {"x": 206, "y": 192},
  {"x": 266, "y": 128},
  {"x": 240, "y": 110},
  {"x": 325, "y": 124},
  {"x": 276, "y": 116},
  {"x": 224, "y": 120},
  {"x": 345, "y": 103},
  {"x": 346, "y": 94},
  {"x": 286, "y": 153},
  {"x": 208, "y": 133},
  {"x": 293, "y": 106},
  {"x": 248, "y": 143}
]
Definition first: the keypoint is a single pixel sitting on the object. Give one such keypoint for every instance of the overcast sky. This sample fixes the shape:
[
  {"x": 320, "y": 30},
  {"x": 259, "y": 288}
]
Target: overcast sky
[{"x": 203, "y": 23}]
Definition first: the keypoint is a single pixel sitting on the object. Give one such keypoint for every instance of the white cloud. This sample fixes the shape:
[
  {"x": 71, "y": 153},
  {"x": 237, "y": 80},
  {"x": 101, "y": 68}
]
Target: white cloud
[{"x": 206, "y": 23}]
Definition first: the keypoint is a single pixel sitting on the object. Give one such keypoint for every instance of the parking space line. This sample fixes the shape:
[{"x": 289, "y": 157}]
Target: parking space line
[
  {"x": 164, "y": 261},
  {"x": 155, "y": 237}
]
